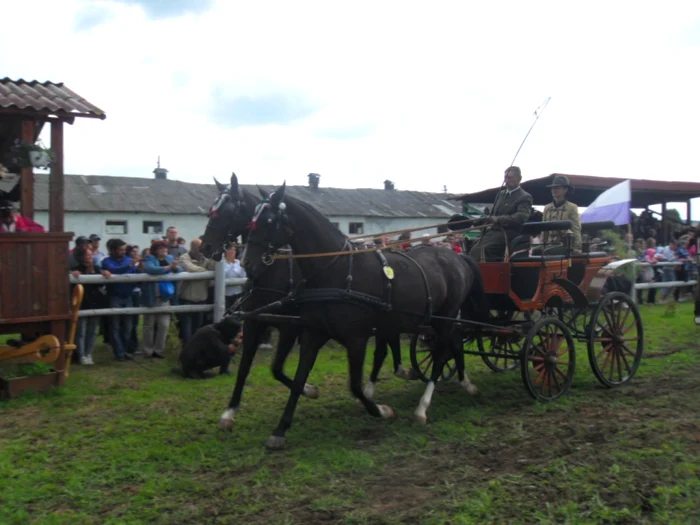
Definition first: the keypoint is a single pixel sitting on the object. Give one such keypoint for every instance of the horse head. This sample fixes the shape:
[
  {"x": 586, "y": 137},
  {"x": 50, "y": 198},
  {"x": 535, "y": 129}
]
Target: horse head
[
  {"x": 269, "y": 230},
  {"x": 228, "y": 218}
]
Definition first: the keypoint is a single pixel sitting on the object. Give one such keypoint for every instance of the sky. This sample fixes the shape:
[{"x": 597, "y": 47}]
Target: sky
[{"x": 429, "y": 95}]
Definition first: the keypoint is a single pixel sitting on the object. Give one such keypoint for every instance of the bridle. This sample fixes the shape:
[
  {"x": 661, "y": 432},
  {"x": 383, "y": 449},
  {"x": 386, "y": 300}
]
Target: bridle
[{"x": 239, "y": 213}]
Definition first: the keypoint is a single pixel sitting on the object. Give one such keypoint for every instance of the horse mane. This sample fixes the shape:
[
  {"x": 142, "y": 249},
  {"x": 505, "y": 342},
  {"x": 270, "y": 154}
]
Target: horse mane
[{"x": 313, "y": 216}]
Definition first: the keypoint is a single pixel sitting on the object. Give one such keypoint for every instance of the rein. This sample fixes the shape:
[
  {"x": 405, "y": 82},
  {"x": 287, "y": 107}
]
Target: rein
[{"x": 366, "y": 250}]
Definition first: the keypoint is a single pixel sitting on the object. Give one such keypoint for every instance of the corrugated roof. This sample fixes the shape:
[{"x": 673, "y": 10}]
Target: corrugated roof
[
  {"x": 99, "y": 193},
  {"x": 645, "y": 192},
  {"x": 45, "y": 97}
]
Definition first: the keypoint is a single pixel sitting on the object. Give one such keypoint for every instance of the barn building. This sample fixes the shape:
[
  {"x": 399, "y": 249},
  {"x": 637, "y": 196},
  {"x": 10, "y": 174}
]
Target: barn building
[{"x": 137, "y": 209}]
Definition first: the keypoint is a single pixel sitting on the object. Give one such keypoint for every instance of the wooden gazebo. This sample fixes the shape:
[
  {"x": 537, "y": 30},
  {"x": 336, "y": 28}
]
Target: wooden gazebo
[{"x": 34, "y": 286}]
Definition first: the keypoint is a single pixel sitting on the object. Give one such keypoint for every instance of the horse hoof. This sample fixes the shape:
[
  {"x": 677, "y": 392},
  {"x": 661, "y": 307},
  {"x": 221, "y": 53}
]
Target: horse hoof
[
  {"x": 225, "y": 424},
  {"x": 386, "y": 411},
  {"x": 311, "y": 391},
  {"x": 421, "y": 419},
  {"x": 472, "y": 389},
  {"x": 276, "y": 443}
]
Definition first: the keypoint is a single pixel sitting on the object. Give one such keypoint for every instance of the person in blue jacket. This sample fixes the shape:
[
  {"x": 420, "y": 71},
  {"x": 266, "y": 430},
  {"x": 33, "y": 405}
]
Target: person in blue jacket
[
  {"x": 155, "y": 326},
  {"x": 120, "y": 296}
]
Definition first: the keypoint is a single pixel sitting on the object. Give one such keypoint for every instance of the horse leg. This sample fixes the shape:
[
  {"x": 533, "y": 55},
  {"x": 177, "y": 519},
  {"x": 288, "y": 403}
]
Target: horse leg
[
  {"x": 458, "y": 355},
  {"x": 379, "y": 357},
  {"x": 311, "y": 343},
  {"x": 252, "y": 332},
  {"x": 287, "y": 336},
  {"x": 356, "y": 359},
  {"x": 439, "y": 358},
  {"x": 399, "y": 371}
]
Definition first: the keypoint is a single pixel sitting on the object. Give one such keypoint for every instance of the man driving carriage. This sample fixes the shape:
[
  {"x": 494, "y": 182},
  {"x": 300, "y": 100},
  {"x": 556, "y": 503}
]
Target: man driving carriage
[{"x": 510, "y": 211}]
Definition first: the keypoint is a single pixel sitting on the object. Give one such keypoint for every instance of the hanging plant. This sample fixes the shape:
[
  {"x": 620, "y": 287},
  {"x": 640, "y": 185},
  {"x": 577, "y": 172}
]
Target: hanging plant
[{"x": 27, "y": 155}]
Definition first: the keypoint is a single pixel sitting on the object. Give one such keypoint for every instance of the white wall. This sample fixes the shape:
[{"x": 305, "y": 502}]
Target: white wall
[
  {"x": 189, "y": 226},
  {"x": 376, "y": 225}
]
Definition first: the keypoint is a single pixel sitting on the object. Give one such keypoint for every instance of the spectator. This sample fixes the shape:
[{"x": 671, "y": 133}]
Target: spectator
[
  {"x": 682, "y": 270},
  {"x": 182, "y": 242},
  {"x": 120, "y": 296},
  {"x": 92, "y": 300},
  {"x": 174, "y": 248},
  {"x": 426, "y": 240},
  {"x": 133, "y": 344},
  {"x": 95, "y": 242},
  {"x": 160, "y": 262},
  {"x": 193, "y": 292},
  {"x": 232, "y": 268},
  {"x": 80, "y": 242},
  {"x": 406, "y": 237},
  {"x": 667, "y": 254},
  {"x": 11, "y": 221},
  {"x": 145, "y": 253}
]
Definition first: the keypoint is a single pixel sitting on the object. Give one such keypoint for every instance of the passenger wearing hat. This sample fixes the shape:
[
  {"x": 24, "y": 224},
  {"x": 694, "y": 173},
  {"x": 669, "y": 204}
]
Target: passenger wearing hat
[
  {"x": 561, "y": 209},
  {"x": 511, "y": 210}
]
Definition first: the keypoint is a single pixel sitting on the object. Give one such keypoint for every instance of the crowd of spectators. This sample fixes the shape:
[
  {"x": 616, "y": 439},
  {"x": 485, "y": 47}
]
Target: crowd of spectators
[
  {"x": 163, "y": 256},
  {"x": 682, "y": 250}
]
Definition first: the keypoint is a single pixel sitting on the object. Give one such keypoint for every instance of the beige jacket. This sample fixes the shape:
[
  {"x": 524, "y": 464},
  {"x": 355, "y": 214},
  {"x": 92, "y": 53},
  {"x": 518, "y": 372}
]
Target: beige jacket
[
  {"x": 195, "y": 291},
  {"x": 566, "y": 212}
]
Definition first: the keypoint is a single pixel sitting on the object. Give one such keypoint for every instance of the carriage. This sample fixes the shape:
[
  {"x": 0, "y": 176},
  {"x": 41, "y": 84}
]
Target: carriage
[{"x": 538, "y": 307}]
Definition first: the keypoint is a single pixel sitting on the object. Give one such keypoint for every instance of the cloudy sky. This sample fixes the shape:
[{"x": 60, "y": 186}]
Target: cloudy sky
[{"x": 426, "y": 94}]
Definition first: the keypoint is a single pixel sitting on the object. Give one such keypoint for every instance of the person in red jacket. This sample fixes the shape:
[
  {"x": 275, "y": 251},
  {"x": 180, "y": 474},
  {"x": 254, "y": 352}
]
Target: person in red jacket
[{"x": 11, "y": 221}]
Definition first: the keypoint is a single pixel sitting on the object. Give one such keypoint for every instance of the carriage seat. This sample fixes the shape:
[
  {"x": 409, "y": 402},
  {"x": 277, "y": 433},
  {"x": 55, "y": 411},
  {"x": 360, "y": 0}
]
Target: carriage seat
[{"x": 589, "y": 255}]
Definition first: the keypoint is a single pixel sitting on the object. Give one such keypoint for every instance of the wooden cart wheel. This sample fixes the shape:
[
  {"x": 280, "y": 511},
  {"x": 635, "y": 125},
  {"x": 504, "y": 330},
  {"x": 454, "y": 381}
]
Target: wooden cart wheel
[
  {"x": 422, "y": 359},
  {"x": 509, "y": 345},
  {"x": 615, "y": 339},
  {"x": 549, "y": 359}
]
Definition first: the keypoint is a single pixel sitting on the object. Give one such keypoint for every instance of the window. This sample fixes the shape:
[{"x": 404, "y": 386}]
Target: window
[
  {"x": 356, "y": 228},
  {"x": 152, "y": 227},
  {"x": 116, "y": 228}
]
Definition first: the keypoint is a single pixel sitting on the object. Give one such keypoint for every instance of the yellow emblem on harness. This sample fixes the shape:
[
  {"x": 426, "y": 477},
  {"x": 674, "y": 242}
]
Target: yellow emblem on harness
[{"x": 389, "y": 272}]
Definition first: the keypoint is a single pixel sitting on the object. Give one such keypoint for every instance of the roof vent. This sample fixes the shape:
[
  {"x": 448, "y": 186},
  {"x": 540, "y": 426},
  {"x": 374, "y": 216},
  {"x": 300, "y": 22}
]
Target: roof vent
[
  {"x": 161, "y": 173},
  {"x": 313, "y": 180},
  {"x": 388, "y": 185}
]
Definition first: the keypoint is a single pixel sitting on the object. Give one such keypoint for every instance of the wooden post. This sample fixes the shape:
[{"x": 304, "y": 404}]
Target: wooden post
[
  {"x": 27, "y": 174},
  {"x": 56, "y": 182},
  {"x": 664, "y": 225},
  {"x": 687, "y": 213}
]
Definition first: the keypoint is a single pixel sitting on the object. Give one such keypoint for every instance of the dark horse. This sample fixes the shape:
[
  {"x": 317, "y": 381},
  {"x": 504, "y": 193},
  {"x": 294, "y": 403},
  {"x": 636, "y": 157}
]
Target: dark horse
[
  {"x": 229, "y": 217},
  {"x": 346, "y": 296}
]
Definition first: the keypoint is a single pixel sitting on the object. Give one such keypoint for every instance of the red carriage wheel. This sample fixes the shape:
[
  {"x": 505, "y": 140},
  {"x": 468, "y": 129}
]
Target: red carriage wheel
[
  {"x": 615, "y": 339},
  {"x": 548, "y": 359}
]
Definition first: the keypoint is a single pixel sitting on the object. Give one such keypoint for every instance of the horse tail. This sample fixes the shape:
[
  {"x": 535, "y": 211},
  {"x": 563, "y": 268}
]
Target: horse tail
[{"x": 473, "y": 306}]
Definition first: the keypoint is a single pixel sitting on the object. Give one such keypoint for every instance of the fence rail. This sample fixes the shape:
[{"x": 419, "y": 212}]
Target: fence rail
[
  {"x": 667, "y": 284},
  {"x": 218, "y": 276}
]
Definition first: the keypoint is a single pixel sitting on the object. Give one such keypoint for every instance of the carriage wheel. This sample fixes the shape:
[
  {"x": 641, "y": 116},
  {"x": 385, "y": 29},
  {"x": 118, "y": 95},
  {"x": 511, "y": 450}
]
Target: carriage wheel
[
  {"x": 422, "y": 360},
  {"x": 615, "y": 339},
  {"x": 508, "y": 345},
  {"x": 510, "y": 348},
  {"x": 548, "y": 360}
]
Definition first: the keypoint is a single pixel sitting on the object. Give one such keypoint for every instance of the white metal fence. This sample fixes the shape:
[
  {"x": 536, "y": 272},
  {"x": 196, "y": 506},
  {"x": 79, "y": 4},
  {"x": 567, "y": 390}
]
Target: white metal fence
[
  {"x": 220, "y": 283},
  {"x": 661, "y": 284}
]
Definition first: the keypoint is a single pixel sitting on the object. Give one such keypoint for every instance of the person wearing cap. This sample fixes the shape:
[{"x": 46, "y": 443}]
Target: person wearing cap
[
  {"x": 12, "y": 222},
  {"x": 80, "y": 242},
  {"x": 561, "y": 209},
  {"x": 95, "y": 243},
  {"x": 510, "y": 211}
]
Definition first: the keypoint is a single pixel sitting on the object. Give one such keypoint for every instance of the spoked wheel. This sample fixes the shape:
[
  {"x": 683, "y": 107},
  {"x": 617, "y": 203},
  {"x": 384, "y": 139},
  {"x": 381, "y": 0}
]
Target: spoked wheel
[
  {"x": 422, "y": 359},
  {"x": 508, "y": 345},
  {"x": 615, "y": 339},
  {"x": 549, "y": 359}
]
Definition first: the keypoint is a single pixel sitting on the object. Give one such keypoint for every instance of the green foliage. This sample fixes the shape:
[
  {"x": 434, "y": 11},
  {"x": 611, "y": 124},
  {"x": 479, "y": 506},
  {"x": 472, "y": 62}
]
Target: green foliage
[
  {"x": 23, "y": 370},
  {"x": 134, "y": 443}
]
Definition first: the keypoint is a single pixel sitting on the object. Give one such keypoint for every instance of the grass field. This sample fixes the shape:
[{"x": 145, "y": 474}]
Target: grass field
[{"x": 125, "y": 443}]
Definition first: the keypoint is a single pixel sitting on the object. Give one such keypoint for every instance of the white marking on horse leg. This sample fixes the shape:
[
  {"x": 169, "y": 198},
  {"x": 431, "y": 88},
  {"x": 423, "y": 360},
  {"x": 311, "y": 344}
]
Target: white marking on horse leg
[
  {"x": 424, "y": 403},
  {"x": 227, "y": 419},
  {"x": 469, "y": 386},
  {"x": 311, "y": 391},
  {"x": 386, "y": 411},
  {"x": 276, "y": 443},
  {"x": 369, "y": 390}
]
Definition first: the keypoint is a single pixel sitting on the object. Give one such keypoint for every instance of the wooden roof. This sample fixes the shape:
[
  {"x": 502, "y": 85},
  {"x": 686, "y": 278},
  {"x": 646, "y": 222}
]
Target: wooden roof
[{"x": 44, "y": 99}]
